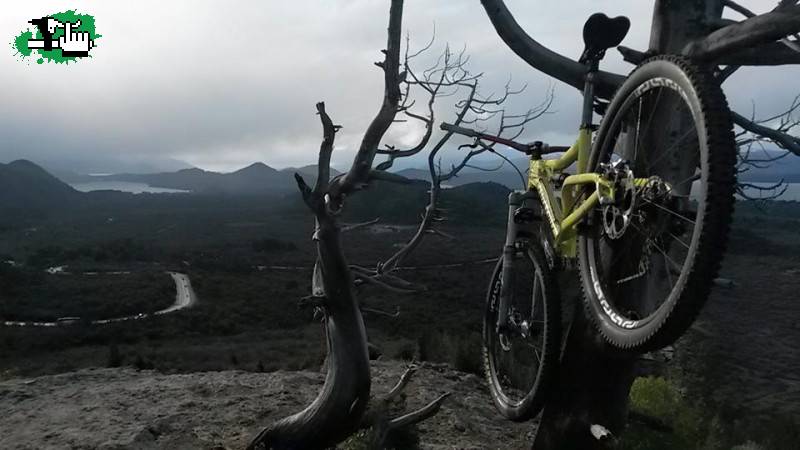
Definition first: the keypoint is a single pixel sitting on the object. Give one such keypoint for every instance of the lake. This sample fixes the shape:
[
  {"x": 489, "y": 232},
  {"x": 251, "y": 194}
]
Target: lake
[{"x": 123, "y": 186}]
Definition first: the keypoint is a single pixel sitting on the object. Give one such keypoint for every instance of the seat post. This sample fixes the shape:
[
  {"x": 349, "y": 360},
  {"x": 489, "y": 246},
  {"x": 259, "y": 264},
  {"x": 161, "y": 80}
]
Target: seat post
[{"x": 592, "y": 66}]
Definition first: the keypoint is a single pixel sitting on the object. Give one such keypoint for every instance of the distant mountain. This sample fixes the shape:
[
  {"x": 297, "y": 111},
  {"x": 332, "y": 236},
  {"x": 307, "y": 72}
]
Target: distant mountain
[
  {"x": 257, "y": 178},
  {"x": 506, "y": 176},
  {"x": 309, "y": 171},
  {"x": 25, "y": 186},
  {"x": 73, "y": 168},
  {"x": 415, "y": 174}
]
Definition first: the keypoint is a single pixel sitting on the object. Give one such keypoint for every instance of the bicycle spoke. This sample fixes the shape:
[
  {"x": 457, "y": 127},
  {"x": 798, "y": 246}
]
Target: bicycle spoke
[
  {"x": 679, "y": 240},
  {"x": 668, "y": 150},
  {"x": 637, "y": 139},
  {"x": 535, "y": 352},
  {"x": 656, "y": 246},
  {"x": 691, "y": 179},
  {"x": 624, "y": 252},
  {"x": 653, "y": 109},
  {"x": 670, "y": 211},
  {"x": 669, "y": 274}
]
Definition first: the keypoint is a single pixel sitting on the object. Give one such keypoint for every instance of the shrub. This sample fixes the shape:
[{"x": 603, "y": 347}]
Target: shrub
[{"x": 657, "y": 397}]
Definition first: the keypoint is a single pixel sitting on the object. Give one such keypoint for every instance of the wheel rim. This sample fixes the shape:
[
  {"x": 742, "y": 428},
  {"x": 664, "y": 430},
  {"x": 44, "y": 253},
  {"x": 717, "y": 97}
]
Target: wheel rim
[
  {"x": 655, "y": 252},
  {"x": 514, "y": 371}
]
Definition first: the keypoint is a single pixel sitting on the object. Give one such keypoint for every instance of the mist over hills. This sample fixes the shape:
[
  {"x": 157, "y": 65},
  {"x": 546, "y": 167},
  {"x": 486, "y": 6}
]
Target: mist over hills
[
  {"x": 27, "y": 188},
  {"x": 260, "y": 179},
  {"x": 69, "y": 167}
]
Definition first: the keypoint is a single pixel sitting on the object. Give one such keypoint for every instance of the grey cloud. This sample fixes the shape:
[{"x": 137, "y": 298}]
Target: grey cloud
[{"x": 222, "y": 84}]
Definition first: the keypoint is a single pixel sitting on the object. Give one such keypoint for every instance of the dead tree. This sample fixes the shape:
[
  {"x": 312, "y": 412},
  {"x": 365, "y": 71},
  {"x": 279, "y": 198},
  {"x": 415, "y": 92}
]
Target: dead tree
[
  {"x": 589, "y": 406},
  {"x": 344, "y": 405},
  {"x": 338, "y": 409}
]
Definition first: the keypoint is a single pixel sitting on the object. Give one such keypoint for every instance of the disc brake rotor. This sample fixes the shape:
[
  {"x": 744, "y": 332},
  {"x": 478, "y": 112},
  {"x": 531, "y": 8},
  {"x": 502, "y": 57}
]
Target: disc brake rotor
[{"x": 617, "y": 216}]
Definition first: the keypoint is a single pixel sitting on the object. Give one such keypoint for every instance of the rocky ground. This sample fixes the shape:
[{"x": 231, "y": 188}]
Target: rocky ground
[
  {"x": 745, "y": 345},
  {"x": 129, "y": 409}
]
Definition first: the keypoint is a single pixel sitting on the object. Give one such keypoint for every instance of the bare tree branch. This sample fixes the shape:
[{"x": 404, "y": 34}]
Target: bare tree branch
[
  {"x": 632, "y": 56},
  {"x": 380, "y": 312},
  {"x": 541, "y": 57},
  {"x": 747, "y": 13},
  {"x": 755, "y": 31},
  {"x": 782, "y": 139},
  {"x": 419, "y": 415},
  {"x": 770, "y": 54},
  {"x": 358, "y": 175},
  {"x": 450, "y": 73},
  {"x": 738, "y": 8},
  {"x": 357, "y": 226},
  {"x": 377, "y": 418},
  {"x": 402, "y": 382},
  {"x": 773, "y": 191}
]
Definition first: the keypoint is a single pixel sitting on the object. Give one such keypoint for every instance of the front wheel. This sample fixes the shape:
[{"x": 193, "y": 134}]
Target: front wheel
[
  {"x": 521, "y": 360},
  {"x": 648, "y": 260}
]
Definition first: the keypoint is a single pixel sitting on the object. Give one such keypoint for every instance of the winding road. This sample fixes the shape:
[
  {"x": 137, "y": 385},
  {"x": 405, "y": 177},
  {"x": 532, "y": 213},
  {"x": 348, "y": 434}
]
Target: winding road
[{"x": 184, "y": 298}]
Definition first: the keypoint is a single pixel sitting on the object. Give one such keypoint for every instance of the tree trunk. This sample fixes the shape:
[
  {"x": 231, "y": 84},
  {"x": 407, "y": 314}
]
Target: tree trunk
[
  {"x": 345, "y": 394},
  {"x": 337, "y": 411},
  {"x": 678, "y": 22}
]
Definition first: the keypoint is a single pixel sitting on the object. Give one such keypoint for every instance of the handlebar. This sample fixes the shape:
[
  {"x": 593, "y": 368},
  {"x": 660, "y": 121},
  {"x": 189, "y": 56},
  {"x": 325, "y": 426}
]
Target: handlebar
[
  {"x": 543, "y": 149},
  {"x": 459, "y": 130}
]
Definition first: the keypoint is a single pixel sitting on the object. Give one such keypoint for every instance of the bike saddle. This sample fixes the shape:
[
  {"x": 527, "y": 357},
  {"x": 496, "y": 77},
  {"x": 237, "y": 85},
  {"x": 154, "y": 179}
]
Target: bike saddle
[{"x": 601, "y": 33}]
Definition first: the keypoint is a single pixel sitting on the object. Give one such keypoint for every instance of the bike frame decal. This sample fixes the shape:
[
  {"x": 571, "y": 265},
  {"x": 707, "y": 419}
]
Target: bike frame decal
[
  {"x": 607, "y": 309},
  {"x": 564, "y": 216}
]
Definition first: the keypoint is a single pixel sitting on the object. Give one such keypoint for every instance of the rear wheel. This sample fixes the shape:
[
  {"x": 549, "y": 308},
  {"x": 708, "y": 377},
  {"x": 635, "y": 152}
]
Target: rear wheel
[
  {"x": 521, "y": 361},
  {"x": 649, "y": 260}
]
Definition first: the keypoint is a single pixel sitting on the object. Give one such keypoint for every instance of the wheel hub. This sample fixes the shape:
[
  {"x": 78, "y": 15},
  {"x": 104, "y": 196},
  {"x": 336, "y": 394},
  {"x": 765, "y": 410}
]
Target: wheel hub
[{"x": 617, "y": 215}]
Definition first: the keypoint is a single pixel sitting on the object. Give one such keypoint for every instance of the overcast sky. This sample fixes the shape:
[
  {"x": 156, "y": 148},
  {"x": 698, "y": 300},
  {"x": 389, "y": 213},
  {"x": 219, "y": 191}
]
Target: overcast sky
[{"x": 223, "y": 84}]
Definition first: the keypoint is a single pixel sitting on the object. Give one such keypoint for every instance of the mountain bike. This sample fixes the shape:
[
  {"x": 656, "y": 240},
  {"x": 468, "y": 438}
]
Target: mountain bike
[{"x": 644, "y": 219}]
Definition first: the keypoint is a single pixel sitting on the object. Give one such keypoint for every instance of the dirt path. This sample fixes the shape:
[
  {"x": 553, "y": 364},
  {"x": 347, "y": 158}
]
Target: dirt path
[{"x": 184, "y": 298}]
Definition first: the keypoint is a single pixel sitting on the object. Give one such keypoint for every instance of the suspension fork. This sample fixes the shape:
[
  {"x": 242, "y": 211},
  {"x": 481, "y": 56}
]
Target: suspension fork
[{"x": 516, "y": 199}]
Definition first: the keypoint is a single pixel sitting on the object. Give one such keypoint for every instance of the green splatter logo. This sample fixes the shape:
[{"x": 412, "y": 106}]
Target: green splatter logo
[{"x": 59, "y": 38}]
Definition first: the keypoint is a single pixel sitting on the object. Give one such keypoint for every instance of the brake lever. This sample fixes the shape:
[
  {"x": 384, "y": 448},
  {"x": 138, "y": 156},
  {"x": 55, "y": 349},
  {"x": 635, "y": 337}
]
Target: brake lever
[{"x": 473, "y": 145}]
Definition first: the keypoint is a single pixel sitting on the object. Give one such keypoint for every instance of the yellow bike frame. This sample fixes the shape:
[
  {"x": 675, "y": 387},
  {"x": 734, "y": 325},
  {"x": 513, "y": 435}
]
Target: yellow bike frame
[{"x": 564, "y": 216}]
